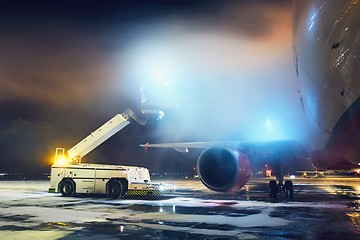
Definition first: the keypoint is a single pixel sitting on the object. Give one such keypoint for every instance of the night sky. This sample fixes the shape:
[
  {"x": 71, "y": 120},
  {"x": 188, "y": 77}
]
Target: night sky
[{"x": 222, "y": 70}]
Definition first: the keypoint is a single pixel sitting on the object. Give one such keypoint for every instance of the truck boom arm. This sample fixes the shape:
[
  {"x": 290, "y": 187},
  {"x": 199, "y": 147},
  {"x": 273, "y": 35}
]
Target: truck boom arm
[{"x": 104, "y": 132}]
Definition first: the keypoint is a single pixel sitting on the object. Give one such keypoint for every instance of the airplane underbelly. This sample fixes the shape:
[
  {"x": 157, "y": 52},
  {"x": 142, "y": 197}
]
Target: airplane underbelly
[
  {"x": 344, "y": 141},
  {"x": 343, "y": 148}
]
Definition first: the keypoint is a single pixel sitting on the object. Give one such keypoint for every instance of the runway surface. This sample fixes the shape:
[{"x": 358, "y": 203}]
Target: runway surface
[{"x": 327, "y": 208}]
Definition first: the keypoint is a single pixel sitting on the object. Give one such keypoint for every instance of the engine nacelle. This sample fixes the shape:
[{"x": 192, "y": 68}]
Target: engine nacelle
[{"x": 223, "y": 170}]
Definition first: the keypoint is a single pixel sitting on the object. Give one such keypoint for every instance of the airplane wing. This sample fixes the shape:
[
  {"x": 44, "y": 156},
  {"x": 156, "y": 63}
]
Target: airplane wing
[
  {"x": 184, "y": 147},
  {"x": 282, "y": 146}
]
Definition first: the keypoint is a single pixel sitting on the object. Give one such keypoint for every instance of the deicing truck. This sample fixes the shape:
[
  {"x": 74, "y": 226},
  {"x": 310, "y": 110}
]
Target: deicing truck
[{"x": 69, "y": 176}]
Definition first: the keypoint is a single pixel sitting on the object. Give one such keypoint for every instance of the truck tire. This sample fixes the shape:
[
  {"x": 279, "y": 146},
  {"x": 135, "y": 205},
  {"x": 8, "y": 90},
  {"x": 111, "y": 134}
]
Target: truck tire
[
  {"x": 67, "y": 188},
  {"x": 117, "y": 189},
  {"x": 289, "y": 190},
  {"x": 273, "y": 189}
]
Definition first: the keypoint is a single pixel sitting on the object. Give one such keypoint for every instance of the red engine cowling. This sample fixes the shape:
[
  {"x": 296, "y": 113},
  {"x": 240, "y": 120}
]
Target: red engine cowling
[{"x": 223, "y": 170}]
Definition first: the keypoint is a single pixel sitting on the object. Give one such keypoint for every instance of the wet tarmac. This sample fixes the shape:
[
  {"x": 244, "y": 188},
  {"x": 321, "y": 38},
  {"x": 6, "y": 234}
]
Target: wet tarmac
[{"x": 327, "y": 208}]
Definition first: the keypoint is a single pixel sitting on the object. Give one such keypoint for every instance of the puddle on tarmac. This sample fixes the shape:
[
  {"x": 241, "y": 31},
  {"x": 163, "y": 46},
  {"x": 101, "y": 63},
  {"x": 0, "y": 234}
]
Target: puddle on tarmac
[
  {"x": 216, "y": 210},
  {"x": 17, "y": 218}
]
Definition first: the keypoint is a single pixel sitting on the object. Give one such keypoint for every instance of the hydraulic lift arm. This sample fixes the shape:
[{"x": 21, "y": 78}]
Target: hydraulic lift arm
[{"x": 104, "y": 132}]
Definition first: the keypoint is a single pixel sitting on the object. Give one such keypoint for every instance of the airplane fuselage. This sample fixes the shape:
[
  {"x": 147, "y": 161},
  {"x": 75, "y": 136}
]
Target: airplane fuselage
[{"x": 327, "y": 58}]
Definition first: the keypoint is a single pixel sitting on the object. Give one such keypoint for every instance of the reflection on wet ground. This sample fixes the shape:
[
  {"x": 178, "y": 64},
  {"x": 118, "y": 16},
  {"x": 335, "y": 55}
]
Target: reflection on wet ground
[{"x": 322, "y": 209}]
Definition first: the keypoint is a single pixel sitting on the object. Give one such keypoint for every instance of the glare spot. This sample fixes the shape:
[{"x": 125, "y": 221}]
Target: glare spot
[
  {"x": 313, "y": 16},
  {"x": 157, "y": 76},
  {"x": 311, "y": 25},
  {"x": 268, "y": 124}
]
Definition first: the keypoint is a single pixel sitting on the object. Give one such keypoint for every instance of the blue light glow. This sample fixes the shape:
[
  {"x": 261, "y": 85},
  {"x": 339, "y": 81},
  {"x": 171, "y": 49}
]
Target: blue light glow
[
  {"x": 268, "y": 124},
  {"x": 217, "y": 85}
]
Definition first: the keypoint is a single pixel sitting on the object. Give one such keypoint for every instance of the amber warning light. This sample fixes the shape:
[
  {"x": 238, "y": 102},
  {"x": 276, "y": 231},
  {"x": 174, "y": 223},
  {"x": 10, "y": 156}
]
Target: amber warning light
[{"x": 60, "y": 157}]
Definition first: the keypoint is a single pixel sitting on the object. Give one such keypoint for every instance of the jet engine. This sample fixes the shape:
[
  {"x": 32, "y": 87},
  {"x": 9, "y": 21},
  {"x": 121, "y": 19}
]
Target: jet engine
[{"x": 223, "y": 170}]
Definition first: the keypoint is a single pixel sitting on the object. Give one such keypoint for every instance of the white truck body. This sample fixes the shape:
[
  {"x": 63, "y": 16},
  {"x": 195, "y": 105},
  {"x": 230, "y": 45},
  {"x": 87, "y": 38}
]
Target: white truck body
[{"x": 95, "y": 178}]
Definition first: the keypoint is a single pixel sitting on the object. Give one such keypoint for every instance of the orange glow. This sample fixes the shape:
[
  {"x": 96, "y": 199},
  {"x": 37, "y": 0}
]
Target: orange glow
[
  {"x": 60, "y": 157},
  {"x": 61, "y": 161},
  {"x": 268, "y": 173}
]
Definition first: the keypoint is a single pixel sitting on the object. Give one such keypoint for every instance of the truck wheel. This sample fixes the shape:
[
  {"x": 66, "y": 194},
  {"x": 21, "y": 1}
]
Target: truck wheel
[
  {"x": 124, "y": 188},
  {"x": 115, "y": 188},
  {"x": 289, "y": 189},
  {"x": 273, "y": 189},
  {"x": 67, "y": 188}
]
